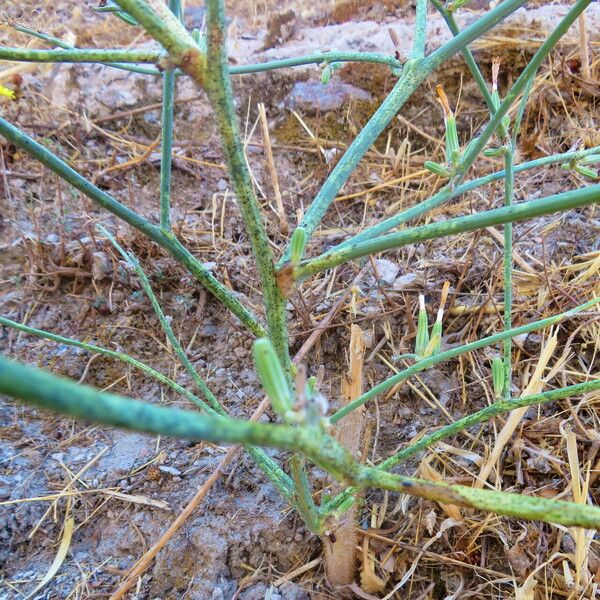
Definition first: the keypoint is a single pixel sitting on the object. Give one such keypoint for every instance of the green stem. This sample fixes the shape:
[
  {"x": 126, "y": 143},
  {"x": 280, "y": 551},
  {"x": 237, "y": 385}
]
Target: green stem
[
  {"x": 165, "y": 28},
  {"x": 524, "y": 82},
  {"x": 47, "y": 391},
  {"x": 420, "y": 32},
  {"x": 178, "y": 349},
  {"x": 481, "y": 416},
  {"x": 508, "y": 266},
  {"x": 489, "y": 412},
  {"x": 499, "y": 216},
  {"x": 426, "y": 363},
  {"x": 167, "y": 240},
  {"x": 414, "y": 73},
  {"x": 220, "y": 93},
  {"x": 54, "y": 41},
  {"x": 281, "y": 481},
  {"x": 449, "y": 192},
  {"x": 305, "y": 504},
  {"x": 466, "y": 53},
  {"x": 521, "y": 110},
  {"x": 166, "y": 155},
  {"x": 80, "y": 55},
  {"x": 112, "y": 354},
  {"x": 317, "y": 58}
]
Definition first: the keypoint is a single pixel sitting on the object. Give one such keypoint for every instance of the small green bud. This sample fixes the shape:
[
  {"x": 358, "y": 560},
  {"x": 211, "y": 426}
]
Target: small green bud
[
  {"x": 586, "y": 171},
  {"x": 433, "y": 345},
  {"x": 344, "y": 506},
  {"x": 436, "y": 168},
  {"x": 498, "y": 376},
  {"x": 297, "y": 245},
  {"x": 494, "y": 152},
  {"x": 311, "y": 382},
  {"x": 495, "y": 100},
  {"x": 436, "y": 333},
  {"x": 452, "y": 147},
  {"x": 272, "y": 376},
  {"x": 326, "y": 75},
  {"x": 422, "y": 328}
]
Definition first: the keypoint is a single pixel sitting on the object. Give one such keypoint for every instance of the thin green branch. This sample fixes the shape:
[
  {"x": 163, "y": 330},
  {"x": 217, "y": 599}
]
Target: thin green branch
[
  {"x": 54, "y": 41},
  {"x": 166, "y": 158},
  {"x": 521, "y": 110},
  {"x": 486, "y": 414},
  {"x": 168, "y": 241},
  {"x": 112, "y": 354},
  {"x": 318, "y": 58},
  {"x": 47, "y": 391},
  {"x": 499, "y": 216},
  {"x": 79, "y": 55},
  {"x": 220, "y": 93},
  {"x": 420, "y": 31},
  {"x": 482, "y": 416},
  {"x": 509, "y": 179},
  {"x": 304, "y": 500},
  {"x": 414, "y": 73},
  {"x": 523, "y": 83},
  {"x": 448, "y": 193},
  {"x": 133, "y": 262},
  {"x": 426, "y": 363}
]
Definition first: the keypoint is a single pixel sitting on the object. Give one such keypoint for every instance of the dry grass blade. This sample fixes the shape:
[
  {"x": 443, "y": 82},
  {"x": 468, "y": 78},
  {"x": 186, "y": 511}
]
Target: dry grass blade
[
  {"x": 61, "y": 554},
  {"x": 534, "y": 386},
  {"x": 264, "y": 126}
]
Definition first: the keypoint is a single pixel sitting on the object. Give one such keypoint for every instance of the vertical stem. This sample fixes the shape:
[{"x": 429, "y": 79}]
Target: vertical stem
[
  {"x": 168, "y": 100},
  {"x": 418, "y": 49},
  {"x": 508, "y": 265},
  {"x": 220, "y": 93},
  {"x": 304, "y": 502}
]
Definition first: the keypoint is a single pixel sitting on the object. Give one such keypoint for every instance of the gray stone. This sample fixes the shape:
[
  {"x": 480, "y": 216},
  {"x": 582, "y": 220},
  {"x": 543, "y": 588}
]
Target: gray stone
[{"x": 313, "y": 96}]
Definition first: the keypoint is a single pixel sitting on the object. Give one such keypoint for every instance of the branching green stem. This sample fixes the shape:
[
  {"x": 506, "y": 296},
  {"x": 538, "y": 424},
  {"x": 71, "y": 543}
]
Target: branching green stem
[
  {"x": 426, "y": 363},
  {"x": 220, "y": 93},
  {"x": 414, "y": 73},
  {"x": 498, "y": 216},
  {"x": 481, "y": 416},
  {"x": 47, "y": 391},
  {"x": 448, "y": 193},
  {"x": 167, "y": 240},
  {"x": 523, "y": 83}
]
